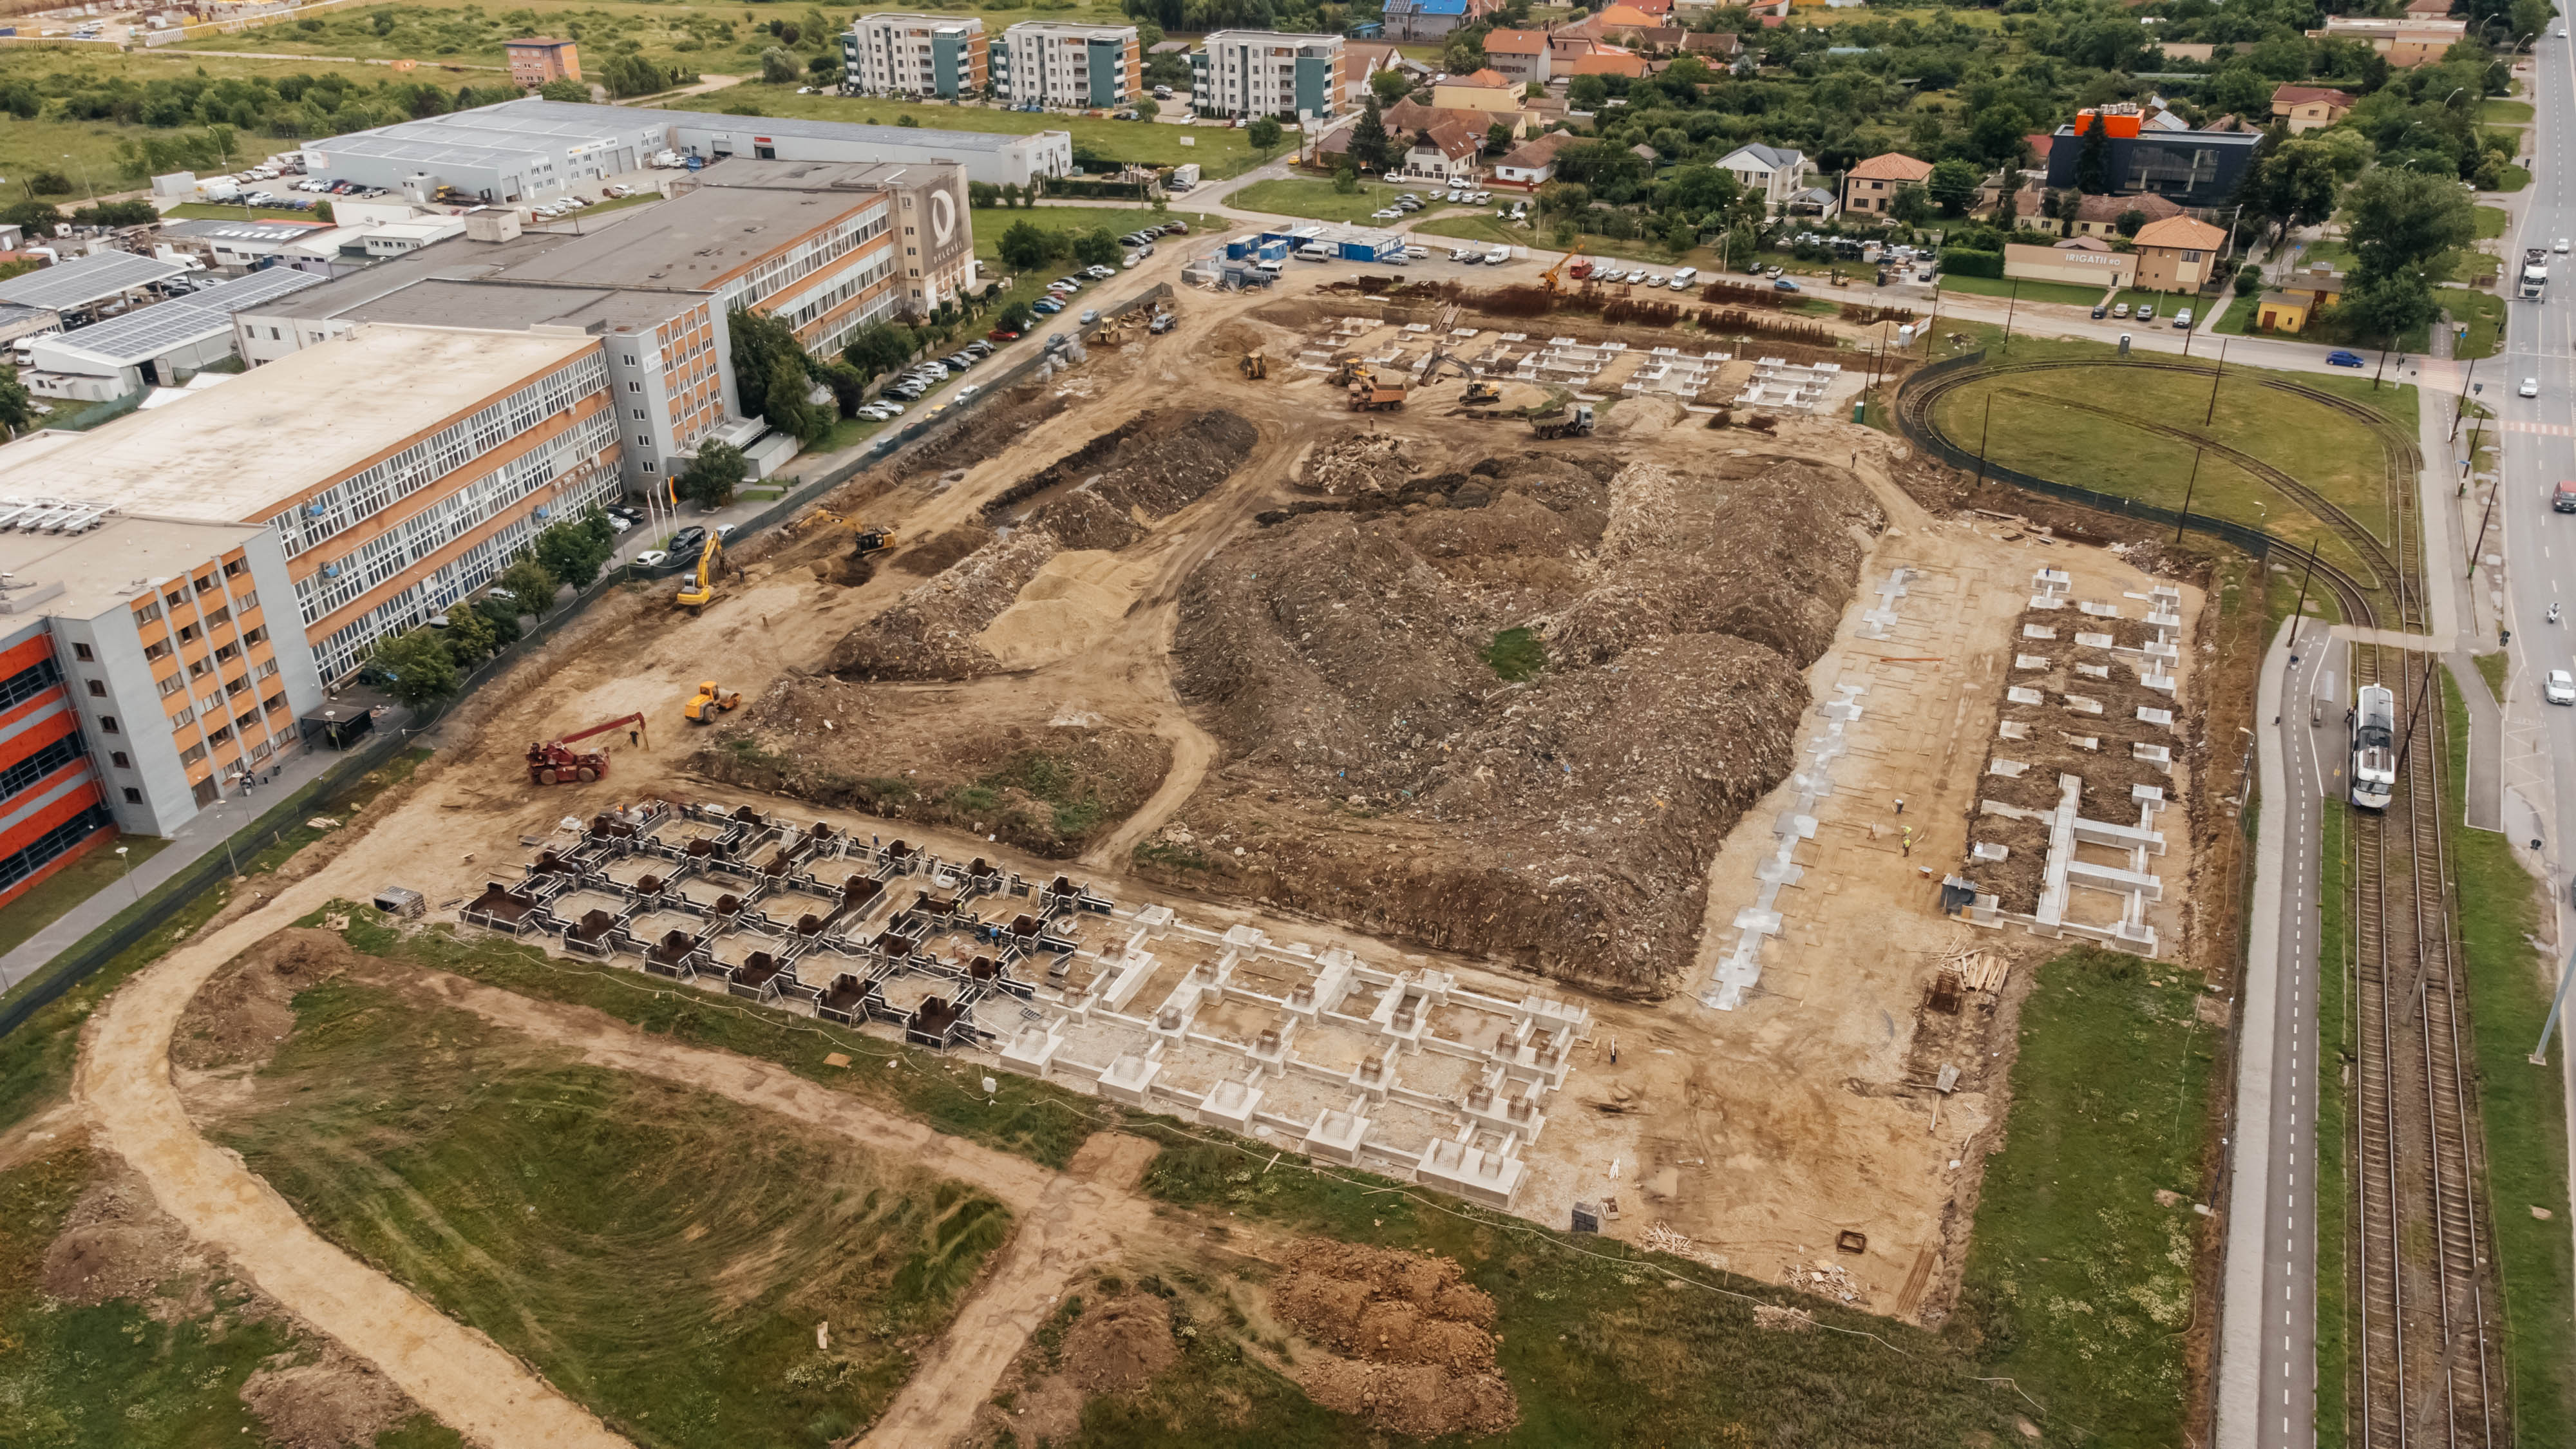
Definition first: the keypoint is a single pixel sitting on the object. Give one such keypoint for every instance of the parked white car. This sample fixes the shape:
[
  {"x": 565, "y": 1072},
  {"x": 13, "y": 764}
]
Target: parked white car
[{"x": 2561, "y": 688}]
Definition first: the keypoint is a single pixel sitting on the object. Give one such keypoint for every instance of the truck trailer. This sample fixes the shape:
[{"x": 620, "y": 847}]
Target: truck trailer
[{"x": 2535, "y": 272}]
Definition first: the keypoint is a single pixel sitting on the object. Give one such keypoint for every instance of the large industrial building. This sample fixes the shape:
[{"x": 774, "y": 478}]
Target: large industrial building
[
  {"x": 830, "y": 248},
  {"x": 893, "y": 54},
  {"x": 1251, "y": 73},
  {"x": 157, "y": 346},
  {"x": 1068, "y": 65},
  {"x": 395, "y": 469},
  {"x": 529, "y": 150}
]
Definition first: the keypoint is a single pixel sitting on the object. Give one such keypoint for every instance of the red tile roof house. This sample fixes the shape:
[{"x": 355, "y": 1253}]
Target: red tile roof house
[
  {"x": 1532, "y": 164},
  {"x": 1871, "y": 187},
  {"x": 1520, "y": 55}
]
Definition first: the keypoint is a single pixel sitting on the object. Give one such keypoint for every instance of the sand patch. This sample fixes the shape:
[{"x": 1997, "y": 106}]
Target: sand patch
[{"x": 1075, "y": 600}]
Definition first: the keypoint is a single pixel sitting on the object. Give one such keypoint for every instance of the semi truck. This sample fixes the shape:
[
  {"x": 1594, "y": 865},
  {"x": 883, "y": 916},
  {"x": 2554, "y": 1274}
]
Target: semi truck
[{"x": 2535, "y": 272}]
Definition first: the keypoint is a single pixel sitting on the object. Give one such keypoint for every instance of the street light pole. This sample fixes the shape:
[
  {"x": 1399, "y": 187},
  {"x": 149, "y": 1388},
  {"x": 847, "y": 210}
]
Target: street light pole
[
  {"x": 2212, "y": 410},
  {"x": 1984, "y": 428},
  {"x": 2009, "y": 305}
]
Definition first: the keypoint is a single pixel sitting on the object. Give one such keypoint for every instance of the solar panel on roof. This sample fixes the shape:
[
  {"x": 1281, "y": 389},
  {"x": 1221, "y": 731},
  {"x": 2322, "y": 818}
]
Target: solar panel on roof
[
  {"x": 86, "y": 279},
  {"x": 260, "y": 286}
]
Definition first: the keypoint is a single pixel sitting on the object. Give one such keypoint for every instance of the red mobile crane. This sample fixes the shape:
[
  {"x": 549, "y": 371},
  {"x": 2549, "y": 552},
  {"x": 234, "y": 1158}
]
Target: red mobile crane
[{"x": 556, "y": 762}]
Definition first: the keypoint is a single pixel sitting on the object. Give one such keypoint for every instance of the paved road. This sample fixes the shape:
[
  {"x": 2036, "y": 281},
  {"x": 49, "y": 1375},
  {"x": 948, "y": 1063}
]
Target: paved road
[{"x": 2267, "y": 1355}]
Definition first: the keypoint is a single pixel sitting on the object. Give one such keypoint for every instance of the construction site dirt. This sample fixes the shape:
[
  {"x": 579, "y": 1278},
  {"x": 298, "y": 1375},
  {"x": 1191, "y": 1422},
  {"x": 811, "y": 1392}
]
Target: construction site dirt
[{"x": 1525, "y": 713}]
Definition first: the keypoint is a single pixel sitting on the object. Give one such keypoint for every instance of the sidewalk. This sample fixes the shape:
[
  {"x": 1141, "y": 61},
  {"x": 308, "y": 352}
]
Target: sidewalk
[{"x": 202, "y": 835}]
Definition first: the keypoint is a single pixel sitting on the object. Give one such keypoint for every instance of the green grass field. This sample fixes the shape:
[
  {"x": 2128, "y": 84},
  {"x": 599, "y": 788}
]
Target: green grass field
[
  {"x": 206, "y": 211},
  {"x": 1315, "y": 200},
  {"x": 2047, "y": 425},
  {"x": 2064, "y": 293},
  {"x": 1219, "y": 151},
  {"x": 2522, "y": 1110},
  {"x": 991, "y": 221},
  {"x": 2079, "y": 1279},
  {"x": 660, "y": 1254},
  {"x": 129, "y": 1374},
  {"x": 45, "y": 902},
  {"x": 2492, "y": 220},
  {"x": 2483, "y": 313}
]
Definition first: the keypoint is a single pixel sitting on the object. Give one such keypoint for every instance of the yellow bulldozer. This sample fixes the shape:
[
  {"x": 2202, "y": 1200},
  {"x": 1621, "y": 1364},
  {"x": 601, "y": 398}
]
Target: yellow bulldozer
[
  {"x": 1349, "y": 368},
  {"x": 1481, "y": 391},
  {"x": 1255, "y": 365},
  {"x": 710, "y": 701}
]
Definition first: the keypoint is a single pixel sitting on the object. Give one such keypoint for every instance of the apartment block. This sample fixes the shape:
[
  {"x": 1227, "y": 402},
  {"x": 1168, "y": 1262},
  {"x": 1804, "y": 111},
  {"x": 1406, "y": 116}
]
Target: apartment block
[
  {"x": 393, "y": 469},
  {"x": 538, "y": 59},
  {"x": 1246, "y": 73},
  {"x": 893, "y": 54},
  {"x": 1068, "y": 66}
]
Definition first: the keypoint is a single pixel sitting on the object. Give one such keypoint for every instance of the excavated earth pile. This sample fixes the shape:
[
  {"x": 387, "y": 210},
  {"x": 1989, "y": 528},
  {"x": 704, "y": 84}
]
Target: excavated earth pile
[
  {"x": 1516, "y": 717},
  {"x": 1045, "y": 778},
  {"x": 1104, "y": 496}
]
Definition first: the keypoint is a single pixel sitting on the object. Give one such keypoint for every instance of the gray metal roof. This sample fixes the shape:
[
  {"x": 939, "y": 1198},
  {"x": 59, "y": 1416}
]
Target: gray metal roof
[
  {"x": 141, "y": 335},
  {"x": 214, "y": 229},
  {"x": 84, "y": 280}
]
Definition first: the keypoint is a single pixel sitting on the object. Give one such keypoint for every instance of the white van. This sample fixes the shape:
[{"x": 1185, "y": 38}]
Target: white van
[
  {"x": 1685, "y": 276},
  {"x": 1315, "y": 252}
]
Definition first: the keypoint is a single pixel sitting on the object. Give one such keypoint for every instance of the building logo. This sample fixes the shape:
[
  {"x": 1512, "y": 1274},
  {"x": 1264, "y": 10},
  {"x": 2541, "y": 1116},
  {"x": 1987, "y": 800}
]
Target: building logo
[{"x": 943, "y": 216}]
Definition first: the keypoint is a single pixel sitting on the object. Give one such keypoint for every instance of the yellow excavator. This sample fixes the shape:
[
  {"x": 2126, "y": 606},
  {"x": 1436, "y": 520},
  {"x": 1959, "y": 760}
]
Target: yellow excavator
[
  {"x": 698, "y": 586},
  {"x": 710, "y": 701},
  {"x": 1255, "y": 365},
  {"x": 870, "y": 538}
]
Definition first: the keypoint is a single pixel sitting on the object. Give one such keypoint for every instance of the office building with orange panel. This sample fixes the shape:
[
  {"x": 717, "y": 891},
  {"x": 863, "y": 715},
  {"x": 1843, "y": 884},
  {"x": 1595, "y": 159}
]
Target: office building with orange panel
[
  {"x": 539, "y": 59},
  {"x": 143, "y": 675},
  {"x": 396, "y": 468}
]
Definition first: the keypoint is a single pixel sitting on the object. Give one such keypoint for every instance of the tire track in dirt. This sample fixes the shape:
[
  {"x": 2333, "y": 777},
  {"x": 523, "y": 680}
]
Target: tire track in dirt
[
  {"x": 1062, "y": 1221},
  {"x": 125, "y": 1088}
]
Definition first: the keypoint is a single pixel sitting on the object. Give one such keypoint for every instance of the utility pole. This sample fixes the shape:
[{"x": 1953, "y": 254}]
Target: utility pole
[
  {"x": 2009, "y": 305},
  {"x": 2299, "y": 610},
  {"x": 2186, "y": 495},
  {"x": 2470, "y": 564},
  {"x": 1982, "y": 430},
  {"x": 2212, "y": 410},
  {"x": 2460, "y": 405}
]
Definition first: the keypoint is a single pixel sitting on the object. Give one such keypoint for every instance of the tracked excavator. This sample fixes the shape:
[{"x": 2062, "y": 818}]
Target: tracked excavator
[
  {"x": 698, "y": 586},
  {"x": 868, "y": 538}
]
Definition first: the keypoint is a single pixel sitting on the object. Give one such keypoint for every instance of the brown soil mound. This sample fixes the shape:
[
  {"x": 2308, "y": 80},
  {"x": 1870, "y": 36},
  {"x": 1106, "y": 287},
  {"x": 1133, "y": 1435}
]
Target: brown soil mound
[
  {"x": 1104, "y": 495},
  {"x": 1049, "y": 779},
  {"x": 1119, "y": 1346},
  {"x": 1381, "y": 771},
  {"x": 1357, "y": 462},
  {"x": 244, "y": 1010},
  {"x": 1412, "y": 1348},
  {"x": 336, "y": 1402}
]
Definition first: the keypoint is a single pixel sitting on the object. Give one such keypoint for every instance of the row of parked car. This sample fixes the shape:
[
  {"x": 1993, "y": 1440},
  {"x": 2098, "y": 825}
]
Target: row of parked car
[
  {"x": 924, "y": 377},
  {"x": 2146, "y": 312}
]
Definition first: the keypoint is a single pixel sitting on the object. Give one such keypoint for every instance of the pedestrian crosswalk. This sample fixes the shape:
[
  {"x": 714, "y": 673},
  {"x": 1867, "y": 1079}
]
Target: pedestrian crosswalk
[{"x": 2546, "y": 430}]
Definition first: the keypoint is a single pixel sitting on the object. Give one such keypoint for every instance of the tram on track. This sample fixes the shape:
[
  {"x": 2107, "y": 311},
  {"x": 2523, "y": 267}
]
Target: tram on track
[{"x": 2374, "y": 748}]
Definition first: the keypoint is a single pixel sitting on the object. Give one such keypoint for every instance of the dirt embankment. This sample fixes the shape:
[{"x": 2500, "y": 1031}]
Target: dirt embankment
[
  {"x": 1048, "y": 779},
  {"x": 1102, "y": 497},
  {"x": 243, "y": 1012},
  {"x": 1410, "y": 1343},
  {"x": 1513, "y": 718}
]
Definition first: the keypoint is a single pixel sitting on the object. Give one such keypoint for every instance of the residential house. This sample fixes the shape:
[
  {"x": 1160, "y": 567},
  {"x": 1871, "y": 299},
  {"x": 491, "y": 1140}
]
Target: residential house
[
  {"x": 1871, "y": 187},
  {"x": 1519, "y": 56},
  {"x": 1445, "y": 151},
  {"x": 1419, "y": 20},
  {"x": 1242, "y": 74},
  {"x": 1486, "y": 93},
  {"x": 1777, "y": 173},
  {"x": 2309, "y": 108},
  {"x": 2193, "y": 168},
  {"x": 2096, "y": 216},
  {"x": 2318, "y": 286},
  {"x": 1611, "y": 62},
  {"x": 1362, "y": 60},
  {"x": 2428, "y": 9},
  {"x": 2405, "y": 43},
  {"x": 1718, "y": 47},
  {"x": 538, "y": 59},
  {"x": 1532, "y": 164},
  {"x": 2178, "y": 254}
]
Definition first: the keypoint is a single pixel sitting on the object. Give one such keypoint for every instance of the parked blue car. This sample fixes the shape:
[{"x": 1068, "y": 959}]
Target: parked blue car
[{"x": 2341, "y": 358}]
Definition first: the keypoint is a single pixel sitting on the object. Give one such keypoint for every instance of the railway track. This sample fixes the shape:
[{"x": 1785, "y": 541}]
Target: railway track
[{"x": 2425, "y": 1309}]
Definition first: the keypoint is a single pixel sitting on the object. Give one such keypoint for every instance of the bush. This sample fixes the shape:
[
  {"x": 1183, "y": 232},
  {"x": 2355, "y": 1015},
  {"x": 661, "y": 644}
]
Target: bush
[
  {"x": 777, "y": 67},
  {"x": 50, "y": 183},
  {"x": 1961, "y": 262},
  {"x": 2249, "y": 280},
  {"x": 566, "y": 89}
]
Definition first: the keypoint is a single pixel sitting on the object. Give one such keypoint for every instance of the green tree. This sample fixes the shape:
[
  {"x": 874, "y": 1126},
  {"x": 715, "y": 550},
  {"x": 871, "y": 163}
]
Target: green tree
[
  {"x": 2385, "y": 307},
  {"x": 503, "y": 620},
  {"x": 1368, "y": 136},
  {"x": 1096, "y": 247},
  {"x": 1953, "y": 185},
  {"x": 572, "y": 552},
  {"x": 2130, "y": 222},
  {"x": 1389, "y": 86},
  {"x": 529, "y": 583},
  {"x": 17, "y": 410},
  {"x": 709, "y": 481},
  {"x": 35, "y": 218},
  {"x": 2399, "y": 220},
  {"x": 1499, "y": 137},
  {"x": 1587, "y": 92},
  {"x": 2249, "y": 280},
  {"x": 469, "y": 637},
  {"x": 26, "y": 103},
  {"x": 418, "y": 669},
  {"x": 772, "y": 376},
  {"x": 565, "y": 88},
  {"x": 1026, "y": 246},
  {"x": 1346, "y": 180},
  {"x": 1263, "y": 134},
  {"x": 880, "y": 348},
  {"x": 1741, "y": 245},
  {"x": 777, "y": 67},
  {"x": 2093, "y": 163},
  {"x": 826, "y": 69}
]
